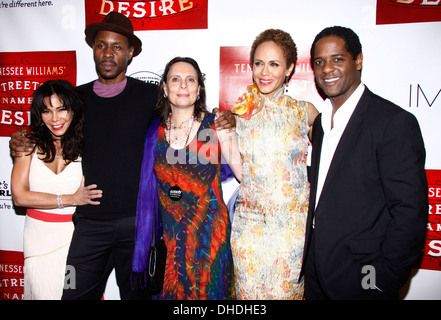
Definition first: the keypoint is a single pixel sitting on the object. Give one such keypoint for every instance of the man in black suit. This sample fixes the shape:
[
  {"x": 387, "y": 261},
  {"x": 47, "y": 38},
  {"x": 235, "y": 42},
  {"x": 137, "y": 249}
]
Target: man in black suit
[{"x": 369, "y": 204}]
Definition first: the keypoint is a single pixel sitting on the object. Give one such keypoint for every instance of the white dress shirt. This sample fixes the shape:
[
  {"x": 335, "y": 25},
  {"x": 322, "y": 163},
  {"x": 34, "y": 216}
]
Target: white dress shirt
[{"x": 331, "y": 137}]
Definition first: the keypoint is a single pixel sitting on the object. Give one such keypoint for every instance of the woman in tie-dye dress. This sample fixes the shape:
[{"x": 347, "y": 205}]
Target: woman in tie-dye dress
[
  {"x": 269, "y": 222},
  {"x": 187, "y": 167}
]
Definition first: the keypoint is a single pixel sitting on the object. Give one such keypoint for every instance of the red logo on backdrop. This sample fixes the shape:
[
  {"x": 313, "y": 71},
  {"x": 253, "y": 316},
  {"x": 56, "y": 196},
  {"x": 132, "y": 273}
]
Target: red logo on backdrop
[
  {"x": 408, "y": 11},
  {"x": 432, "y": 249},
  {"x": 236, "y": 74},
  {"x": 21, "y": 73},
  {"x": 11, "y": 275},
  {"x": 153, "y": 15}
]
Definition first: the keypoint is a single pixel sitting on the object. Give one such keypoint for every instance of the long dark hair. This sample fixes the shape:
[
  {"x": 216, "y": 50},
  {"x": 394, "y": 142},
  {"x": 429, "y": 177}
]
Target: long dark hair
[
  {"x": 163, "y": 107},
  {"x": 72, "y": 140}
]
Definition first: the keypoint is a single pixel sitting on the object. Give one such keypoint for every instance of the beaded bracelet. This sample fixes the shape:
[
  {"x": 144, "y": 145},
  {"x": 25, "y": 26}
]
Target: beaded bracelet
[{"x": 59, "y": 201}]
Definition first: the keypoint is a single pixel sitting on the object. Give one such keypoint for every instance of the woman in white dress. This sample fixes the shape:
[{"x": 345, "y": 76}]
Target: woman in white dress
[{"x": 49, "y": 183}]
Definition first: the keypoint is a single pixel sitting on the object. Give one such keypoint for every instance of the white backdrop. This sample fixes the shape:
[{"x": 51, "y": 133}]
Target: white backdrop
[{"x": 397, "y": 58}]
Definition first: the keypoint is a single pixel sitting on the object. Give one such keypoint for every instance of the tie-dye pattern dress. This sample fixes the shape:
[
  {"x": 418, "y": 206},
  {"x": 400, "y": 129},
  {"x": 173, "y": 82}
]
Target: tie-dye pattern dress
[
  {"x": 197, "y": 229},
  {"x": 269, "y": 222}
]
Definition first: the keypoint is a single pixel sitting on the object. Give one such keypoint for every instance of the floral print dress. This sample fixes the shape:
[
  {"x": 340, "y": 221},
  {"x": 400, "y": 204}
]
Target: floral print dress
[{"x": 269, "y": 222}]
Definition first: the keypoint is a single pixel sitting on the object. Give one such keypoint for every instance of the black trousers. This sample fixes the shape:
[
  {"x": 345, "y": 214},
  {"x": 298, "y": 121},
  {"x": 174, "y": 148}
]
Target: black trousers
[
  {"x": 313, "y": 289},
  {"x": 97, "y": 247}
]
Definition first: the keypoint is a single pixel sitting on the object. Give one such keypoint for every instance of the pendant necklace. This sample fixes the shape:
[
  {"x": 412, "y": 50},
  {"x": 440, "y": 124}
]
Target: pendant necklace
[
  {"x": 181, "y": 126},
  {"x": 175, "y": 193}
]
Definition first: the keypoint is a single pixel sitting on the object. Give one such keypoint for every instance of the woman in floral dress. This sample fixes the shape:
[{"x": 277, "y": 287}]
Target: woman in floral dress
[{"x": 269, "y": 221}]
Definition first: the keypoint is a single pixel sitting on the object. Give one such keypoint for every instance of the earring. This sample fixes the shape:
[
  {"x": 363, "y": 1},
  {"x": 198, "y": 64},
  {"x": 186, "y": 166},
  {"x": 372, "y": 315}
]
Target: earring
[{"x": 165, "y": 95}]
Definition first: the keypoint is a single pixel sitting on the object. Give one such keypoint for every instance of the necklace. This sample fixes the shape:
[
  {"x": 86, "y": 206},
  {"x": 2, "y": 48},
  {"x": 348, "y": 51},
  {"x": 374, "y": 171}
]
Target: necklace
[
  {"x": 177, "y": 140},
  {"x": 59, "y": 154},
  {"x": 182, "y": 125},
  {"x": 175, "y": 193}
]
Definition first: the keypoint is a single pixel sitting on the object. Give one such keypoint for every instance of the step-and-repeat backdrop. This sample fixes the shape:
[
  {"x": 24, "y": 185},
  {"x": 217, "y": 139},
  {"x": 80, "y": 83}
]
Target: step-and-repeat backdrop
[{"x": 42, "y": 40}]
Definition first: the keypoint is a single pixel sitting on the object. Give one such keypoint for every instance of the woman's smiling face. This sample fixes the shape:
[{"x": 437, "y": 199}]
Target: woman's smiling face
[
  {"x": 270, "y": 68},
  {"x": 56, "y": 116}
]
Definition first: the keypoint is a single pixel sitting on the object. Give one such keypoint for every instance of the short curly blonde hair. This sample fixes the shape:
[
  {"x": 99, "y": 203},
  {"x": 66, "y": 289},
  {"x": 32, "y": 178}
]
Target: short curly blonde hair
[{"x": 283, "y": 40}]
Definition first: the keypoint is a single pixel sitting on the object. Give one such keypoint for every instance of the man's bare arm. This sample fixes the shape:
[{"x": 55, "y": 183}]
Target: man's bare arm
[{"x": 19, "y": 144}]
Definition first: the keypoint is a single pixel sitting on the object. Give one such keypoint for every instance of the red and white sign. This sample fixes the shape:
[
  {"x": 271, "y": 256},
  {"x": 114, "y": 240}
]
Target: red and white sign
[
  {"x": 153, "y": 15},
  {"x": 21, "y": 73},
  {"x": 235, "y": 74},
  {"x": 11, "y": 275},
  {"x": 432, "y": 250},
  {"x": 408, "y": 11}
]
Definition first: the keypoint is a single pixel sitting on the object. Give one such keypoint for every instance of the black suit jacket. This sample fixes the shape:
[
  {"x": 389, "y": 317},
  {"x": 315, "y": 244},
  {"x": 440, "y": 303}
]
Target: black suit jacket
[{"x": 373, "y": 208}]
